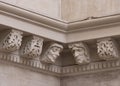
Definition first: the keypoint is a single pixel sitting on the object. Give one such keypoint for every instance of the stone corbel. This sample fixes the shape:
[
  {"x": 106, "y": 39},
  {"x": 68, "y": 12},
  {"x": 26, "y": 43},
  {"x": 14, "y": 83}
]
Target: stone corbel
[
  {"x": 52, "y": 52},
  {"x": 107, "y": 49},
  {"x": 31, "y": 47},
  {"x": 80, "y": 52},
  {"x": 10, "y": 40}
]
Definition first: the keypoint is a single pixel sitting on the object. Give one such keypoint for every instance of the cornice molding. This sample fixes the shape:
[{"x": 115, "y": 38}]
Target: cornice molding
[
  {"x": 65, "y": 31},
  {"x": 92, "y": 23},
  {"x": 33, "y": 17},
  {"x": 33, "y": 65},
  {"x": 91, "y": 68},
  {"x": 36, "y": 66},
  {"x": 55, "y": 24}
]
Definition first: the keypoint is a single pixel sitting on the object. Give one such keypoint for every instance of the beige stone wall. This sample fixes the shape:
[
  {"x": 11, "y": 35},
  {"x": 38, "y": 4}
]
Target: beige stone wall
[
  {"x": 14, "y": 76},
  {"x": 73, "y": 10},
  {"x": 50, "y": 8},
  {"x": 69, "y": 10},
  {"x": 108, "y": 78}
]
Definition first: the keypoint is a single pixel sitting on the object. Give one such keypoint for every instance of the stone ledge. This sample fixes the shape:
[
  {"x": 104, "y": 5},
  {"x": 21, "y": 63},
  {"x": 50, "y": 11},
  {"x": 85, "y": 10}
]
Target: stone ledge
[
  {"x": 65, "y": 31},
  {"x": 57, "y": 70},
  {"x": 58, "y": 25},
  {"x": 91, "y": 68},
  {"x": 30, "y": 64}
]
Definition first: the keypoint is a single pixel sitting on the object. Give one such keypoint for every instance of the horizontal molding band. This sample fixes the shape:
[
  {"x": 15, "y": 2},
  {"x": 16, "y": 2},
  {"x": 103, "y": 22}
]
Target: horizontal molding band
[
  {"x": 37, "y": 66},
  {"x": 91, "y": 68},
  {"x": 35, "y": 17},
  {"x": 30, "y": 64},
  {"x": 61, "y": 31},
  {"x": 27, "y": 27},
  {"x": 59, "y": 25}
]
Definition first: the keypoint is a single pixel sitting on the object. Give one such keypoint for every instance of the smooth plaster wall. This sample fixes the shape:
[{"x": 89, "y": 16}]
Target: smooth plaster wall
[
  {"x": 108, "y": 78},
  {"x": 14, "y": 76}
]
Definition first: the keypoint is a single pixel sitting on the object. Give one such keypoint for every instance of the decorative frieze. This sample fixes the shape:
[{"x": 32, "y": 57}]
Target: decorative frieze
[
  {"x": 107, "y": 49},
  {"x": 80, "y": 52},
  {"x": 91, "y": 68},
  {"x": 57, "y": 70},
  {"x": 34, "y": 65},
  {"x": 31, "y": 47},
  {"x": 51, "y": 53},
  {"x": 10, "y": 40}
]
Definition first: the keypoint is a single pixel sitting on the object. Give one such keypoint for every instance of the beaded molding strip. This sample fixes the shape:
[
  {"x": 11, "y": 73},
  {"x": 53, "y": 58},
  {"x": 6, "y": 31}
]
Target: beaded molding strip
[
  {"x": 91, "y": 68},
  {"x": 57, "y": 70},
  {"x": 27, "y": 63}
]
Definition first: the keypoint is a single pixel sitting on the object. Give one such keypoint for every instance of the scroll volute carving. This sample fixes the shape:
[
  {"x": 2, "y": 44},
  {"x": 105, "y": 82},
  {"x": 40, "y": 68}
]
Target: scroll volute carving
[
  {"x": 51, "y": 53},
  {"x": 10, "y": 40},
  {"x": 80, "y": 52},
  {"x": 31, "y": 47},
  {"x": 107, "y": 49}
]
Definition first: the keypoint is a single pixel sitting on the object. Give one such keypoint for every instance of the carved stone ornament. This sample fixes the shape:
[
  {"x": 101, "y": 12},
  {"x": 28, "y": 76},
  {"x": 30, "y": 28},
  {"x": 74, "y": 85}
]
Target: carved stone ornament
[
  {"x": 52, "y": 53},
  {"x": 107, "y": 49},
  {"x": 31, "y": 47},
  {"x": 10, "y": 40},
  {"x": 80, "y": 52}
]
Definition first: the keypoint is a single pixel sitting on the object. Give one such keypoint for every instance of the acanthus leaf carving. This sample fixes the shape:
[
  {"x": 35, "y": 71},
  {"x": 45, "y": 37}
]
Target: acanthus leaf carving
[
  {"x": 107, "y": 49},
  {"x": 31, "y": 47},
  {"x": 10, "y": 40},
  {"x": 80, "y": 52},
  {"x": 51, "y": 53}
]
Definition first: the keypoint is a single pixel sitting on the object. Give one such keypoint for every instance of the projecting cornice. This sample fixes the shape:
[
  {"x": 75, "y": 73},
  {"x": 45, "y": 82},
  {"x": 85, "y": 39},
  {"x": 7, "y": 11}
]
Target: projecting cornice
[
  {"x": 65, "y": 31},
  {"x": 60, "y": 25}
]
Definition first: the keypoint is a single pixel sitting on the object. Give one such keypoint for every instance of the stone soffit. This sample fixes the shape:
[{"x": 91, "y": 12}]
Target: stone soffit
[{"x": 60, "y": 31}]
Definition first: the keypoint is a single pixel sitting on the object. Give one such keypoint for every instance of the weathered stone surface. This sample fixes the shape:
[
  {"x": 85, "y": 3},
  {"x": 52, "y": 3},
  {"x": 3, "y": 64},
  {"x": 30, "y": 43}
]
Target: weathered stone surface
[
  {"x": 14, "y": 76},
  {"x": 67, "y": 11},
  {"x": 70, "y": 10},
  {"x": 10, "y": 40},
  {"x": 50, "y": 8},
  {"x": 80, "y": 52},
  {"x": 73, "y": 10},
  {"x": 31, "y": 47},
  {"x": 108, "y": 78},
  {"x": 51, "y": 53},
  {"x": 107, "y": 49}
]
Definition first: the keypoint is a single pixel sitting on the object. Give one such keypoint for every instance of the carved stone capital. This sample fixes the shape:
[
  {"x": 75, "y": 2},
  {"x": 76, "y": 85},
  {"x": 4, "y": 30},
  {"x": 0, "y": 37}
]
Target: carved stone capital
[
  {"x": 80, "y": 52},
  {"x": 10, "y": 40},
  {"x": 51, "y": 53},
  {"x": 107, "y": 49},
  {"x": 31, "y": 47}
]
